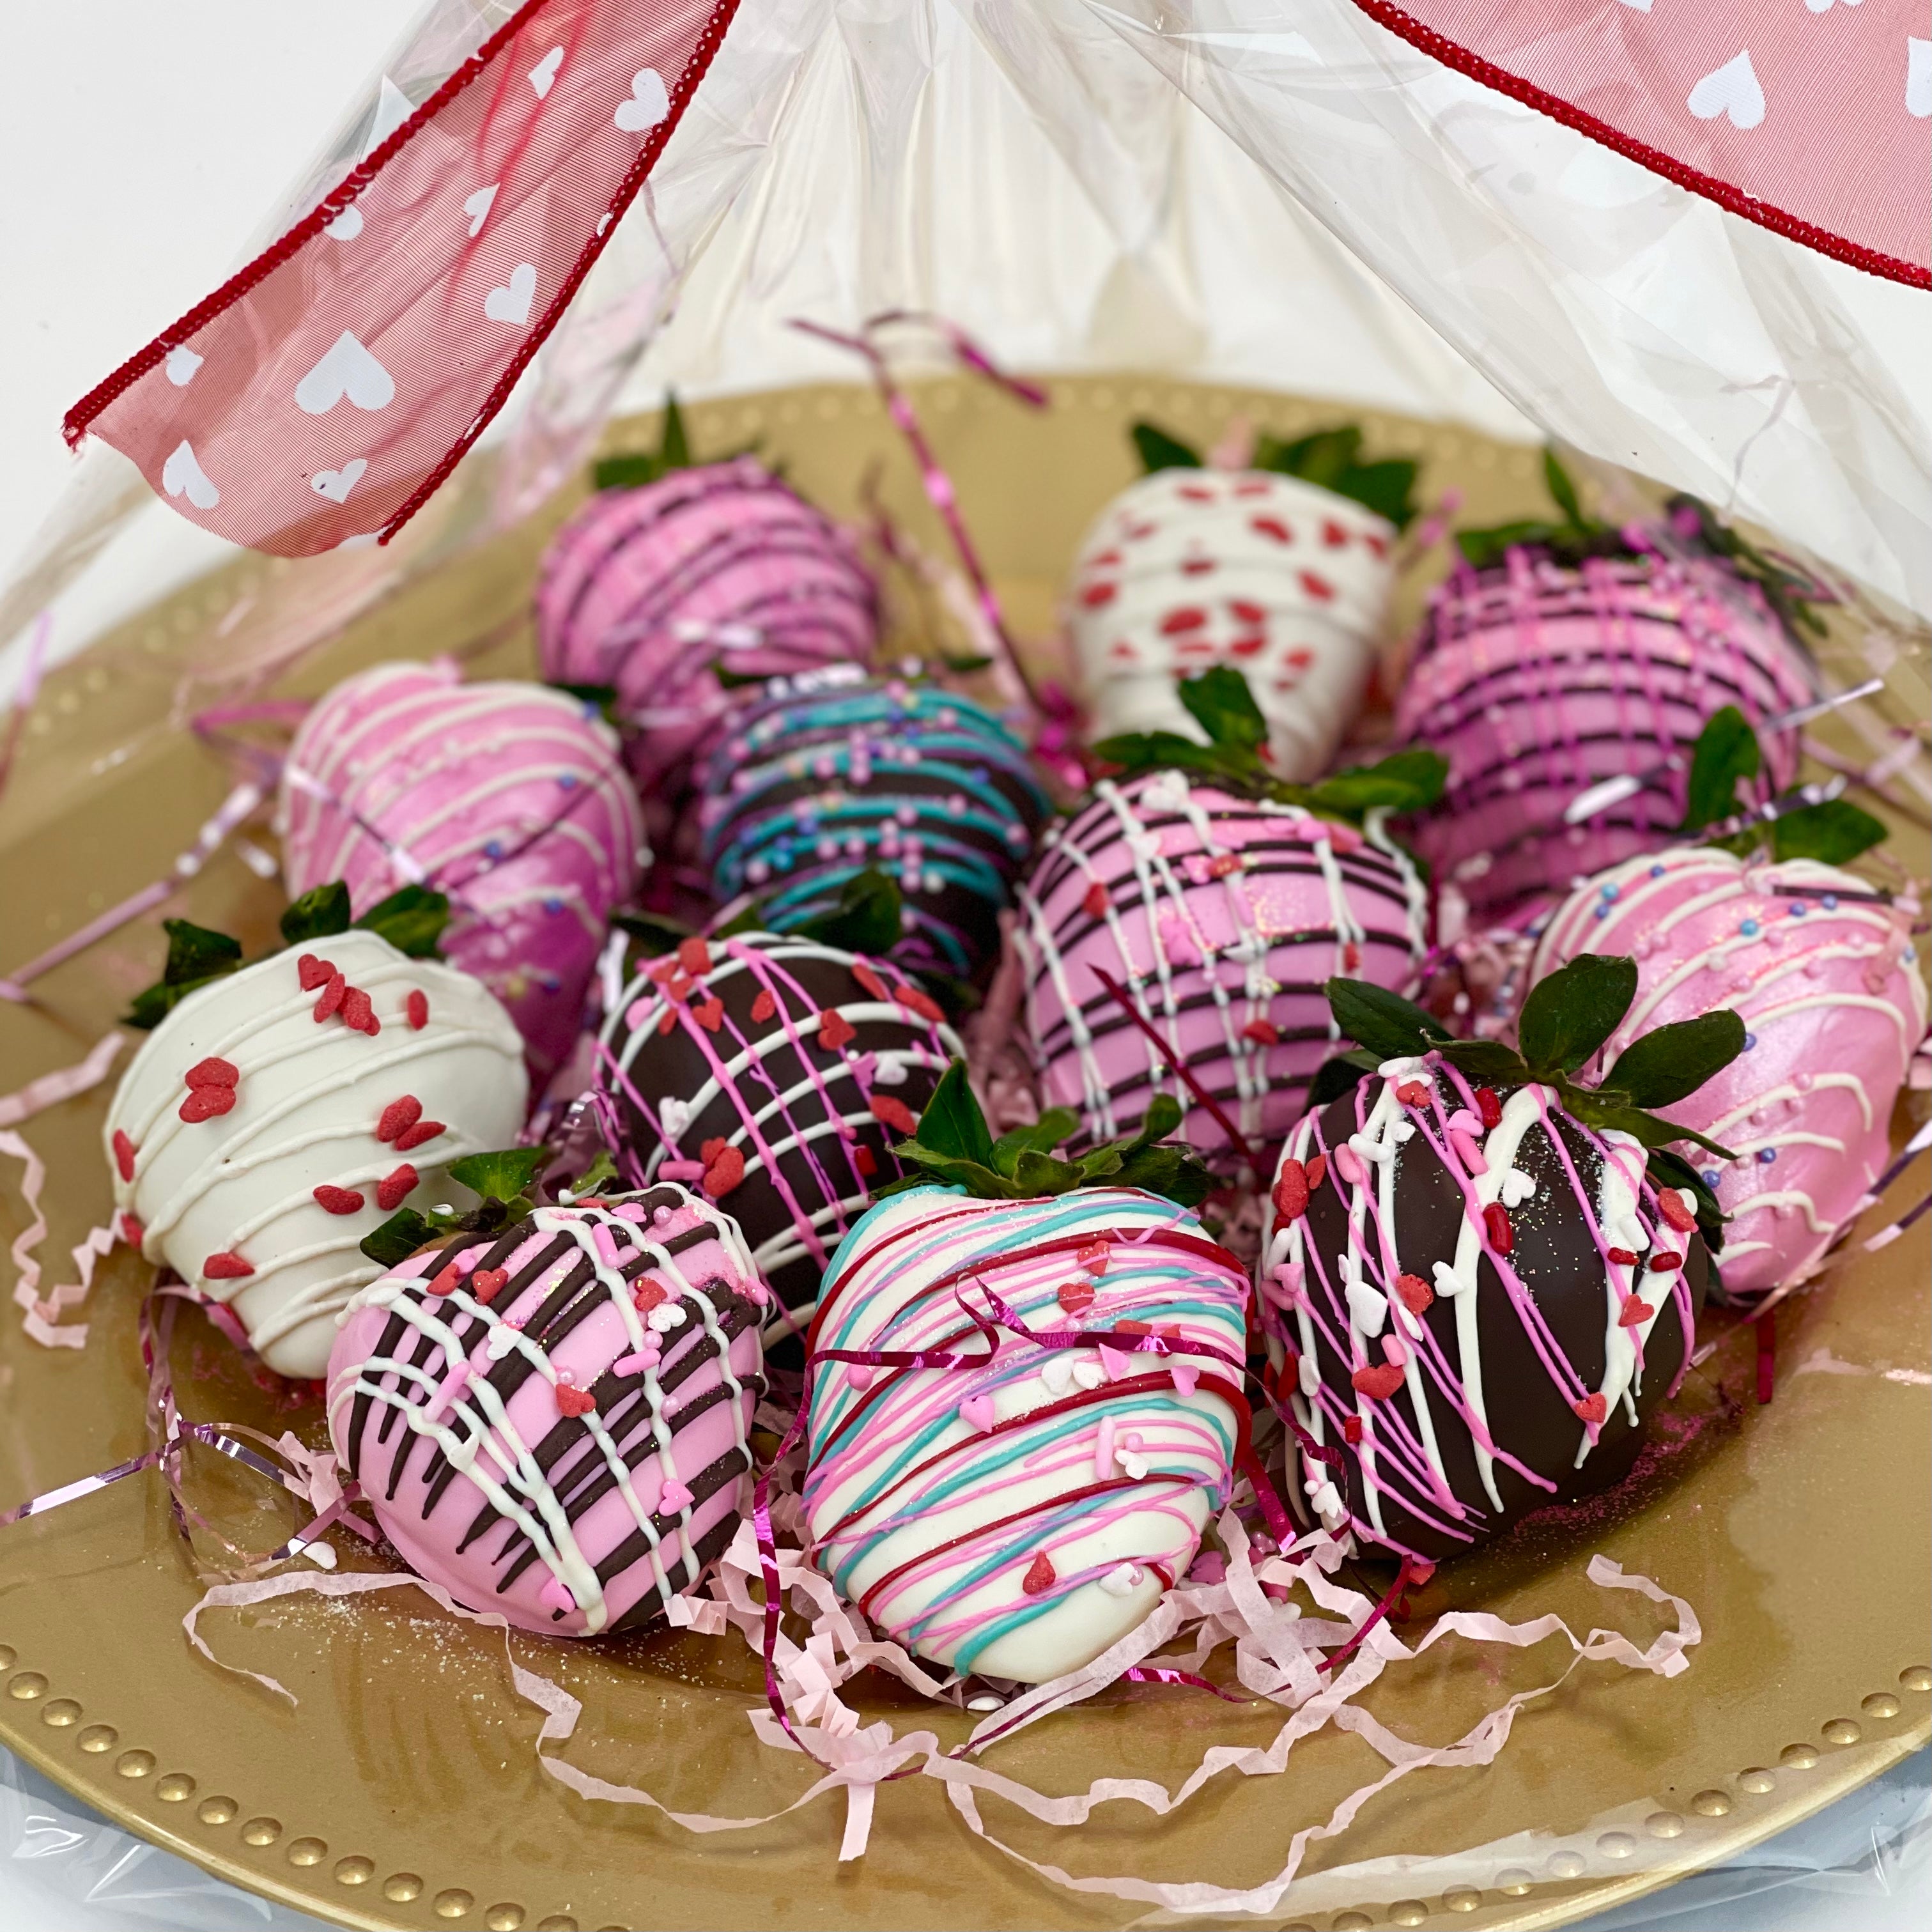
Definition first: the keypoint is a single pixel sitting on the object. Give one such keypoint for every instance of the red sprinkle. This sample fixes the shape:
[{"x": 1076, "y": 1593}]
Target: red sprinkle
[
  {"x": 1593, "y": 1407},
  {"x": 575, "y": 1401},
  {"x": 417, "y": 1007},
  {"x": 227, "y": 1266},
  {"x": 1224, "y": 865},
  {"x": 922, "y": 1004},
  {"x": 710, "y": 1014},
  {"x": 1412, "y": 1093},
  {"x": 334, "y": 988},
  {"x": 668, "y": 1019},
  {"x": 124, "y": 1151},
  {"x": 694, "y": 955},
  {"x": 894, "y": 1113},
  {"x": 1351, "y": 956},
  {"x": 1263, "y": 1033},
  {"x": 446, "y": 1280},
  {"x": 835, "y": 1030},
  {"x": 712, "y": 1148},
  {"x": 1632, "y": 1312},
  {"x": 358, "y": 1012},
  {"x": 1075, "y": 1296},
  {"x": 486, "y": 1284},
  {"x": 1040, "y": 1576},
  {"x": 869, "y": 979},
  {"x": 865, "y": 1160},
  {"x": 1672, "y": 1206},
  {"x": 1095, "y": 1256},
  {"x": 1489, "y": 1108},
  {"x": 1318, "y": 1171},
  {"x": 212, "y": 1073},
  {"x": 414, "y": 1136},
  {"x": 1094, "y": 902},
  {"x": 1351, "y": 1428},
  {"x": 724, "y": 1174},
  {"x": 650, "y": 1293},
  {"x": 398, "y": 1117},
  {"x": 205, "y": 1103},
  {"x": 337, "y": 1200},
  {"x": 395, "y": 1186},
  {"x": 1416, "y": 1295},
  {"x": 1662, "y": 1263},
  {"x": 132, "y": 1231},
  {"x": 1291, "y": 1191},
  {"x": 1379, "y": 1382},
  {"x": 311, "y": 972},
  {"x": 1623, "y": 1258},
  {"x": 1496, "y": 1222},
  {"x": 764, "y": 1007},
  {"x": 1136, "y": 1329}
]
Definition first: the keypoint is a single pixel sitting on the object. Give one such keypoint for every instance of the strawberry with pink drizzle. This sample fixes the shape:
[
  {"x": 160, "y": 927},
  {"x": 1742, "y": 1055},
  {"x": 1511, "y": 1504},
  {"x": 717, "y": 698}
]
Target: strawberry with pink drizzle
[
  {"x": 1018, "y": 1511},
  {"x": 509, "y": 798},
  {"x": 647, "y": 590},
  {"x": 1477, "y": 1286},
  {"x": 553, "y": 1422}
]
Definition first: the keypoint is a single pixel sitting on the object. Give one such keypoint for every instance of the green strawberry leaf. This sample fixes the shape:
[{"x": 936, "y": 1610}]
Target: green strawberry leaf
[
  {"x": 870, "y": 917},
  {"x": 1562, "y": 489},
  {"x": 1320, "y": 458},
  {"x": 400, "y": 1236},
  {"x": 412, "y": 920},
  {"x": 1035, "y": 1174},
  {"x": 596, "y": 1178},
  {"x": 630, "y": 471},
  {"x": 1725, "y": 756},
  {"x": 1159, "y": 451},
  {"x": 1341, "y": 1073},
  {"x": 197, "y": 957},
  {"x": 1219, "y": 701},
  {"x": 950, "y": 1170},
  {"x": 319, "y": 913},
  {"x": 1670, "y": 1062},
  {"x": 652, "y": 934},
  {"x": 506, "y": 1175},
  {"x": 1387, "y": 487},
  {"x": 1171, "y": 1172},
  {"x": 1834, "y": 832},
  {"x": 1045, "y": 1134},
  {"x": 1404, "y": 781},
  {"x": 1381, "y": 1022},
  {"x": 1571, "y": 1013},
  {"x": 953, "y": 1127},
  {"x": 1488, "y": 1060},
  {"x": 674, "y": 448}
]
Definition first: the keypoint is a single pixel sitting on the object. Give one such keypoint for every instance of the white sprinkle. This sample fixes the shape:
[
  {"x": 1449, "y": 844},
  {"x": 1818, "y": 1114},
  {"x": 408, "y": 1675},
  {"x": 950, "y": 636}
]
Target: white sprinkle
[
  {"x": 1368, "y": 1307},
  {"x": 1311, "y": 1378},
  {"x": 1122, "y": 1580}
]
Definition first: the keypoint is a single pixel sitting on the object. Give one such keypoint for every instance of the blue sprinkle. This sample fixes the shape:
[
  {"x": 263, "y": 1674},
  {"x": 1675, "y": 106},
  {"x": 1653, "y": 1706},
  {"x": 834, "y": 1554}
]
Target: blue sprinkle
[
  {"x": 494, "y": 849},
  {"x": 1751, "y": 1040},
  {"x": 1830, "y": 901},
  {"x": 1749, "y": 928},
  {"x": 1767, "y": 1155},
  {"x": 1798, "y": 909},
  {"x": 1656, "y": 871},
  {"x": 566, "y": 781},
  {"x": 1709, "y": 1177},
  {"x": 1603, "y": 911},
  {"x": 1609, "y": 891},
  {"x": 553, "y": 905}
]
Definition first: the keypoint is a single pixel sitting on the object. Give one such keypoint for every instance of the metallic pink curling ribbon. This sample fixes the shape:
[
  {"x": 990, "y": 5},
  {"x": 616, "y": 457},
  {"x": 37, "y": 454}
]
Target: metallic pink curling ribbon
[{"x": 939, "y": 490}]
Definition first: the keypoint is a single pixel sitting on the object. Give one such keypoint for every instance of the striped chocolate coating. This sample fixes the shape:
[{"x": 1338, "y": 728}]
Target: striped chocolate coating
[
  {"x": 831, "y": 774},
  {"x": 1017, "y": 1516},
  {"x": 1536, "y": 682},
  {"x": 645, "y": 590},
  {"x": 553, "y": 1423},
  {"x": 1222, "y": 916},
  {"x": 735, "y": 1053}
]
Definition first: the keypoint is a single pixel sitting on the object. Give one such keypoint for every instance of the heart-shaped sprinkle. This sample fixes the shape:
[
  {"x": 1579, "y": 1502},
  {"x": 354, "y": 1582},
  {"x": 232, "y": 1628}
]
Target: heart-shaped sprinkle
[
  {"x": 1056, "y": 1373},
  {"x": 674, "y": 1498},
  {"x": 724, "y": 1174},
  {"x": 894, "y": 1114},
  {"x": 416, "y": 1007},
  {"x": 311, "y": 972},
  {"x": 227, "y": 1266},
  {"x": 693, "y": 954},
  {"x": 836, "y": 1032},
  {"x": 649, "y": 1293},
  {"x": 398, "y": 1117},
  {"x": 1095, "y": 1256},
  {"x": 206, "y": 1103},
  {"x": 977, "y": 1412},
  {"x": 358, "y": 1012},
  {"x": 414, "y": 1136},
  {"x": 335, "y": 990},
  {"x": 764, "y": 1007},
  {"x": 922, "y": 1004},
  {"x": 395, "y": 1186},
  {"x": 337, "y": 1200},
  {"x": 1413, "y": 1093},
  {"x": 1672, "y": 1207},
  {"x": 212, "y": 1072},
  {"x": 1378, "y": 1382},
  {"x": 446, "y": 1279},
  {"x": 486, "y": 1284},
  {"x": 1135, "y": 1467},
  {"x": 575, "y": 1401},
  {"x": 1291, "y": 1191},
  {"x": 1633, "y": 1312},
  {"x": 124, "y": 1151},
  {"x": 1263, "y": 1033},
  {"x": 1317, "y": 1170},
  {"x": 1075, "y": 1297},
  {"x": 1416, "y": 1294},
  {"x": 1040, "y": 1576},
  {"x": 1122, "y": 1580},
  {"x": 1592, "y": 1409},
  {"x": 1088, "y": 1375},
  {"x": 1185, "y": 1374},
  {"x": 710, "y": 1013}
]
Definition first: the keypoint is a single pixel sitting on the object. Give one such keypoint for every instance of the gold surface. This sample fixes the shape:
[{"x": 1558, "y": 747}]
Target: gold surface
[{"x": 404, "y": 1791}]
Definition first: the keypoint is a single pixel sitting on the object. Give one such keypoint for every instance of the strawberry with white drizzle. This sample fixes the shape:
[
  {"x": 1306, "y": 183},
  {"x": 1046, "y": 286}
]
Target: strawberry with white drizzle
[{"x": 263, "y": 1129}]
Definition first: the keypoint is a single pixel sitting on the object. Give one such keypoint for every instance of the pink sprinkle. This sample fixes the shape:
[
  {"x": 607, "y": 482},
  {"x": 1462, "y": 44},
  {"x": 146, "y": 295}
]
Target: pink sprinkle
[
  {"x": 1210, "y": 1566},
  {"x": 1348, "y": 1165},
  {"x": 1397, "y": 1354},
  {"x": 1185, "y": 1374},
  {"x": 682, "y": 1170},
  {"x": 1467, "y": 1151},
  {"x": 639, "y": 1014},
  {"x": 977, "y": 1412},
  {"x": 555, "y": 1595},
  {"x": 645, "y": 1360},
  {"x": 1118, "y": 1366},
  {"x": 1462, "y": 1121},
  {"x": 673, "y": 1497},
  {"x": 1103, "y": 1450},
  {"x": 605, "y": 1243},
  {"x": 859, "y": 1375}
]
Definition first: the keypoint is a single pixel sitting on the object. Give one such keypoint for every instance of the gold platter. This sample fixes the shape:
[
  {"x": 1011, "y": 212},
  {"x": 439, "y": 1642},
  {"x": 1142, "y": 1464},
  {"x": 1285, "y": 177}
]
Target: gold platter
[{"x": 404, "y": 1791}]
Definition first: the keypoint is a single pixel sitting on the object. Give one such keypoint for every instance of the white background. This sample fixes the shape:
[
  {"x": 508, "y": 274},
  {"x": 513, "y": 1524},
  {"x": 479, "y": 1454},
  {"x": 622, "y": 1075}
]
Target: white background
[{"x": 140, "y": 141}]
